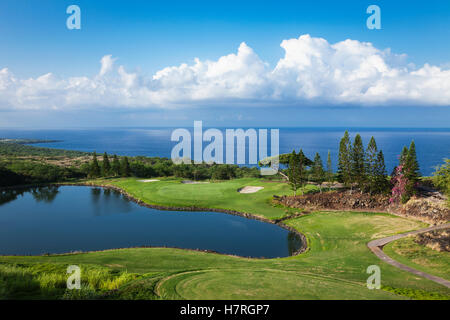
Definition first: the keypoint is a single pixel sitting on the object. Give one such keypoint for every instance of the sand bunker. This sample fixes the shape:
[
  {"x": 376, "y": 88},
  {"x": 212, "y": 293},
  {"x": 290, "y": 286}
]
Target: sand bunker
[
  {"x": 250, "y": 189},
  {"x": 193, "y": 182},
  {"x": 148, "y": 180}
]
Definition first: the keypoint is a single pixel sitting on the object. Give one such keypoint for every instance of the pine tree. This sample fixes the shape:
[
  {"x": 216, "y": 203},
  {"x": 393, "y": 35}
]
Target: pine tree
[
  {"x": 371, "y": 162},
  {"x": 318, "y": 172},
  {"x": 115, "y": 168},
  {"x": 106, "y": 167},
  {"x": 95, "y": 168},
  {"x": 411, "y": 170},
  {"x": 304, "y": 159},
  {"x": 303, "y": 162},
  {"x": 344, "y": 164},
  {"x": 381, "y": 184},
  {"x": 293, "y": 172},
  {"x": 401, "y": 162},
  {"x": 329, "y": 168},
  {"x": 358, "y": 167},
  {"x": 403, "y": 155},
  {"x": 125, "y": 167}
]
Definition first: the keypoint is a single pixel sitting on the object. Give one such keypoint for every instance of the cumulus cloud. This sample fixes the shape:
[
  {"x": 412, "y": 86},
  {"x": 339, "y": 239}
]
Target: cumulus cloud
[
  {"x": 107, "y": 64},
  {"x": 312, "y": 71}
]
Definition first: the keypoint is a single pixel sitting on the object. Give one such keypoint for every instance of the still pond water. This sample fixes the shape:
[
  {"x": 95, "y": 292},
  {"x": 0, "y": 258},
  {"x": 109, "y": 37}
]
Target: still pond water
[{"x": 69, "y": 218}]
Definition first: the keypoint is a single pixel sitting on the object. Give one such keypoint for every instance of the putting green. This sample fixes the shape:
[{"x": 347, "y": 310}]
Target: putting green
[
  {"x": 219, "y": 195},
  {"x": 262, "y": 284}
]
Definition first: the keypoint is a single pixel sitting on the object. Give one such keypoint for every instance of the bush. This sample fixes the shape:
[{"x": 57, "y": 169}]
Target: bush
[{"x": 441, "y": 177}]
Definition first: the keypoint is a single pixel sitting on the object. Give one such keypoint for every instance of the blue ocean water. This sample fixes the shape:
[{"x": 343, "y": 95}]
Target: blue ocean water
[{"x": 432, "y": 145}]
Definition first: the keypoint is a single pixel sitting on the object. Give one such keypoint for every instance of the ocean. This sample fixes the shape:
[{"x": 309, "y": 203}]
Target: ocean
[{"x": 432, "y": 145}]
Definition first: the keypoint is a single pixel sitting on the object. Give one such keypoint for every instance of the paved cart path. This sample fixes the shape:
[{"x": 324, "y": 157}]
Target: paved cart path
[{"x": 377, "y": 247}]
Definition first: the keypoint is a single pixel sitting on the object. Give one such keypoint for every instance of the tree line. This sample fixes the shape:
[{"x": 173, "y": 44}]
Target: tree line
[
  {"x": 358, "y": 168},
  {"x": 145, "y": 167},
  {"x": 301, "y": 170},
  {"x": 363, "y": 169}
]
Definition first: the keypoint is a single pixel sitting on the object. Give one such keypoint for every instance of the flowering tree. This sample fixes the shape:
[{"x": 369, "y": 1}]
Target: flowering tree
[{"x": 399, "y": 182}]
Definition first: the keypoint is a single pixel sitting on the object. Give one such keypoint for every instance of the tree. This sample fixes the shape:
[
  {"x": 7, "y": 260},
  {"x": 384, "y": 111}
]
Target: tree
[
  {"x": 371, "y": 165},
  {"x": 318, "y": 172},
  {"x": 411, "y": 163},
  {"x": 441, "y": 177},
  {"x": 304, "y": 159},
  {"x": 115, "y": 168},
  {"x": 380, "y": 178},
  {"x": 358, "y": 173},
  {"x": 411, "y": 170},
  {"x": 95, "y": 168},
  {"x": 345, "y": 164},
  {"x": 106, "y": 167},
  {"x": 125, "y": 167},
  {"x": 403, "y": 155},
  {"x": 9, "y": 178},
  {"x": 399, "y": 182},
  {"x": 303, "y": 162},
  {"x": 294, "y": 172},
  {"x": 329, "y": 168}
]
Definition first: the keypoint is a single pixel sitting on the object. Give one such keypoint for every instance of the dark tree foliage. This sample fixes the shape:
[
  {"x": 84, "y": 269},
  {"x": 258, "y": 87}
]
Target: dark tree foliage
[
  {"x": 403, "y": 155},
  {"x": 95, "y": 168},
  {"x": 358, "y": 173},
  {"x": 304, "y": 160},
  {"x": 329, "y": 176},
  {"x": 381, "y": 184},
  {"x": 125, "y": 170},
  {"x": 411, "y": 163},
  {"x": 29, "y": 172},
  {"x": 371, "y": 165},
  {"x": 345, "y": 161},
  {"x": 294, "y": 172},
  {"x": 285, "y": 158},
  {"x": 115, "y": 168},
  {"x": 297, "y": 170},
  {"x": 318, "y": 171},
  {"x": 224, "y": 172},
  {"x": 411, "y": 170},
  {"x": 141, "y": 170},
  {"x": 16, "y": 149},
  {"x": 106, "y": 166},
  {"x": 10, "y": 178}
]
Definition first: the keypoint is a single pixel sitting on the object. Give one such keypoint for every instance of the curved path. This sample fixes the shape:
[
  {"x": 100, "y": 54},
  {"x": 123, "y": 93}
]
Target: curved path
[{"x": 377, "y": 247}]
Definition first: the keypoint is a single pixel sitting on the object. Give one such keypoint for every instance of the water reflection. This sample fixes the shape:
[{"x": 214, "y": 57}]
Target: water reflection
[
  {"x": 105, "y": 204},
  {"x": 294, "y": 243},
  {"x": 45, "y": 194}
]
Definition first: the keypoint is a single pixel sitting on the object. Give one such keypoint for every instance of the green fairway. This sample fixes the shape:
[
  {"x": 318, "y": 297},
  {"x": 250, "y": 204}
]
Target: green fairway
[
  {"x": 334, "y": 267},
  {"x": 221, "y": 195}
]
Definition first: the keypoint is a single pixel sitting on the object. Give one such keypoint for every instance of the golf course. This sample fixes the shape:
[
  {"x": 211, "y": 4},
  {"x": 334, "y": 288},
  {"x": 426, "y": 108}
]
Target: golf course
[{"x": 332, "y": 267}]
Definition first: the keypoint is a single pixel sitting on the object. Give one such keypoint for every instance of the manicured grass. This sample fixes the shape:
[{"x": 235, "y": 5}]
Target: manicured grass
[
  {"x": 222, "y": 195},
  {"x": 334, "y": 267},
  {"x": 420, "y": 257}
]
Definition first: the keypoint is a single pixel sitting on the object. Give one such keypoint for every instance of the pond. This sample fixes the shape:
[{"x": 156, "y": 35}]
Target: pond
[{"x": 65, "y": 219}]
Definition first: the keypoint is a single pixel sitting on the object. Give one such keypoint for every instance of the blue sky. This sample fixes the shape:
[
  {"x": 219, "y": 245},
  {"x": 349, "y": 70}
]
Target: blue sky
[{"x": 145, "y": 37}]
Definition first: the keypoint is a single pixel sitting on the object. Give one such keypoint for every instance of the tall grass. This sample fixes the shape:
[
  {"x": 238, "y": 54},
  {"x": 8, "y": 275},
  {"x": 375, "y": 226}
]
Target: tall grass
[{"x": 49, "y": 281}]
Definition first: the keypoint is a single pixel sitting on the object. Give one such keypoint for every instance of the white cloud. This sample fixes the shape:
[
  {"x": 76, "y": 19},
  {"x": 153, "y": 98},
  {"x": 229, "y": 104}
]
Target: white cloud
[
  {"x": 312, "y": 71},
  {"x": 107, "y": 64}
]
